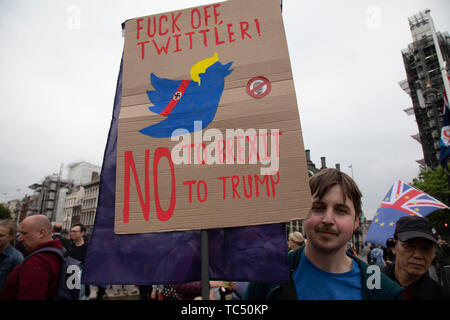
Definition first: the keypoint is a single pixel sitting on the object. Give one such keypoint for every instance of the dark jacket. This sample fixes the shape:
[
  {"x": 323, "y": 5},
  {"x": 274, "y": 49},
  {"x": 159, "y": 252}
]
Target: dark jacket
[
  {"x": 65, "y": 242},
  {"x": 425, "y": 288},
  {"x": 389, "y": 290},
  {"x": 9, "y": 259},
  {"x": 38, "y": 277},
  {"x": 188, "y": 291}
]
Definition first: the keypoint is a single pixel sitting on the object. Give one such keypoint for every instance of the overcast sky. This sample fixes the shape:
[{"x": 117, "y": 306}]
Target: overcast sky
[{"x": 59, "y": 62}]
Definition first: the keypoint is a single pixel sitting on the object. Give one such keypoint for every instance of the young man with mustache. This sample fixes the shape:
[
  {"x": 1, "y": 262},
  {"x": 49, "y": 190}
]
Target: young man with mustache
[{"x": 322, "y": 270}]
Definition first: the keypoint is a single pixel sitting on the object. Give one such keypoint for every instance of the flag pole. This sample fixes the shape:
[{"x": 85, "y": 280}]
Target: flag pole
[
  {"x": 205, "y": 264},
  {"x": 205, "y": 252}
]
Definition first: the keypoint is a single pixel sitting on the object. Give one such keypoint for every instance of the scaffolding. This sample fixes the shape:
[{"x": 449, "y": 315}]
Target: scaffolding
[{"x": 424, "y": 83}]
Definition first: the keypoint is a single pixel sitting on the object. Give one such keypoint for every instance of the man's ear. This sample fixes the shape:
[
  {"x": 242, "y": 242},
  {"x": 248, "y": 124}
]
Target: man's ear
[
  {"x": 356, "y": 222},
  {"x": 42, "y": 232},
  {"x": 394, "y": 248}
]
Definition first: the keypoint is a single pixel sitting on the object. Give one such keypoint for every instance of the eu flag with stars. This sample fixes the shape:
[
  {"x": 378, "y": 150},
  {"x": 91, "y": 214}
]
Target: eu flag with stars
[{"x": 401, "y": 200}]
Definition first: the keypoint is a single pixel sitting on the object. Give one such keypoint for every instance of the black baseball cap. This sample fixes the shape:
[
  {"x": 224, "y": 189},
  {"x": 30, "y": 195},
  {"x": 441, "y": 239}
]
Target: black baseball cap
[{"x": 414, "y": 227}]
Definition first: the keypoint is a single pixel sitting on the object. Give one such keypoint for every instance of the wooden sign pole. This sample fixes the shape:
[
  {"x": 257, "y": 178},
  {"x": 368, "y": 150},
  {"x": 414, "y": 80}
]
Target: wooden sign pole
[{"x": 205, "y": 264}]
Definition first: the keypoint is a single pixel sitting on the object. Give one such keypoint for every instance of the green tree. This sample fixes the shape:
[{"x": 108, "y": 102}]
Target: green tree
[
  {"x": 436, "y": 184},
  {"x": 4, "y": 212}
]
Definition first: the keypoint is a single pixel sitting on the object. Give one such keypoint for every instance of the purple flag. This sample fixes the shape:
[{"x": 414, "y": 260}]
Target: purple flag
[{"x": 255, "y": 253}]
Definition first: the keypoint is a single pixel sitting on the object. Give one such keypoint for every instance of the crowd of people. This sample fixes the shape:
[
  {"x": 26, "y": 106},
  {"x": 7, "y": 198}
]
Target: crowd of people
[{"x": 322, "y": 263}]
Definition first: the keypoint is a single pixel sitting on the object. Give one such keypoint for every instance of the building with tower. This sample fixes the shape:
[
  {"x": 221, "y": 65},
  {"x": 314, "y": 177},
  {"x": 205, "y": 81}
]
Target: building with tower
[{"x": 424, "y": 83}]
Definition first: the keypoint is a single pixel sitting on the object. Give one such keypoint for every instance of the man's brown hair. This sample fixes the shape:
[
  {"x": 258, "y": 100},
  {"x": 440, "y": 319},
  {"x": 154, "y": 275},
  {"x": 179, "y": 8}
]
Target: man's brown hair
[
  {"x": 10, "y": 225},
  {"x": 57, "y": 228},
  {"x": 82, "y": 227},
  {"x": 323, "y": 181}
]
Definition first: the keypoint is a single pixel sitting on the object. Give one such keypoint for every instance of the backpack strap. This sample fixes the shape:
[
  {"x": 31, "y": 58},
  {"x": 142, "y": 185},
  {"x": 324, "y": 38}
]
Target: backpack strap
[
  {"x": 288, "y": 290},
  {"x": 58, "y": 252}
]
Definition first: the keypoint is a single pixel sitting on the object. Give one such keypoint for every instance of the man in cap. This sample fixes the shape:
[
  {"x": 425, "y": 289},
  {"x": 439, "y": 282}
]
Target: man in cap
[{"x": 414, "y": 251}]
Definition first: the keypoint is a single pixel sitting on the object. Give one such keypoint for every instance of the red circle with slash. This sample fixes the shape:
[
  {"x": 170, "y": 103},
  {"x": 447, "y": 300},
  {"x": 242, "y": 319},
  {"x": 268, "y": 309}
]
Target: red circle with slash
[{"x": 258, "y": 87}]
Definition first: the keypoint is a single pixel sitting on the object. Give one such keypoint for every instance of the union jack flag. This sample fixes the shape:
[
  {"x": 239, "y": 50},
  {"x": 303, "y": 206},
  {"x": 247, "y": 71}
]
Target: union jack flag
[{"x": 401, "y": 200}]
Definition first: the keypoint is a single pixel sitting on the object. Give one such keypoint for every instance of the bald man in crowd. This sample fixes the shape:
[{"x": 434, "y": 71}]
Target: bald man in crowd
[{"x": 38, "y": 279}]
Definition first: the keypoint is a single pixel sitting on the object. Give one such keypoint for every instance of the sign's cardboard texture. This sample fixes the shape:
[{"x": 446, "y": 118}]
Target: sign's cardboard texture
[{"x": 226, "y": 65}]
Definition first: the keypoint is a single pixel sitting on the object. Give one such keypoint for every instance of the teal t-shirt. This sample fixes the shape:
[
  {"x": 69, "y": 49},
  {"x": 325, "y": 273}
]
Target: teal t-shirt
[{"x": 312, "y": 283}]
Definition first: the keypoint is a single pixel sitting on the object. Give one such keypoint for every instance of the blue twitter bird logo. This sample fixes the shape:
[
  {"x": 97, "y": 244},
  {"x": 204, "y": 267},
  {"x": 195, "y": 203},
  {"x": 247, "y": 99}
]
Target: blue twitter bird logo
[{"x": 184, "y": 102}]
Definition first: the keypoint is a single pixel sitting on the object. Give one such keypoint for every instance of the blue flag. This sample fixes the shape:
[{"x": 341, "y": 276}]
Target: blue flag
[
  {"x": 445, "y": 135},
  {"x": 401, "y": 200},
  {"x": 255, "y": 253}
]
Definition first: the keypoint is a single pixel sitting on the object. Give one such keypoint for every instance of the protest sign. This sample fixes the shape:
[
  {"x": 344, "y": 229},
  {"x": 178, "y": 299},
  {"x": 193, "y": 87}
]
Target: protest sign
[{"x": 209, "y": 133}]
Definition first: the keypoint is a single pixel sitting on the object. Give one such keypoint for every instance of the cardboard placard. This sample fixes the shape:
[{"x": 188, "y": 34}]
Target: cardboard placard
[{"x": 209, "y": 133}]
